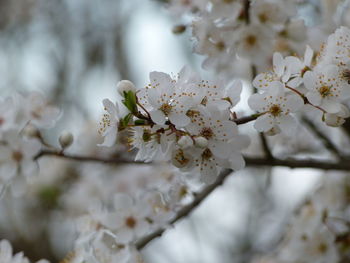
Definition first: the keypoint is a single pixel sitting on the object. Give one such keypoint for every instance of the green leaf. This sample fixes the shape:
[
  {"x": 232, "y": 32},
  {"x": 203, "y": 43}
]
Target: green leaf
[
  {"x": 125, "y": 121},
  {"x": 130, "y": 101}
]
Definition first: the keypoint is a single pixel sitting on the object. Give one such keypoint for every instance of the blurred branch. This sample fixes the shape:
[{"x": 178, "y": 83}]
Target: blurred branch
[
  {"x": 186, "y": 210},
  {"x": 265, "y": 146},
  {"x": 325, "y": 140},
  {"x": 73, "y": 157},
  {"x": 343, "y": 165}
]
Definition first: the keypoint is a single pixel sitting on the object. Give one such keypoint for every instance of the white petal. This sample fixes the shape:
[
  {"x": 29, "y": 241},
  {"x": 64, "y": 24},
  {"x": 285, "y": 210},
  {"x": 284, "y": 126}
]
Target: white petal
[
  {"x": 226, "y": 131},
  {"x": 294, "y": 102},
  {"x": 219, "y": 148},
  {"x": 294, "y": 64},
  {"x": 331, "y": 106},
  {"x": 263, "y": 123},
  {"x": 29, "y": 167},
  {"x": 161, "y": 78},
  {"x": 236, "y": 161},
  {"x": 158, "y": 116},
  {"x": 278, "y": 64},
  {"x": 309, "y": 80},
  {"x": 314, "y": 97},
  {"x": 5, "y": 153},
  {"x": 208, "y": 172},
  {"x": 122, "y": 201},
  {"x": 5, "y": 251},
  {"x": 111, "y": 108},
  {"x": 110, "y": 137},
  {"x": 31, "y": 147},
  {"x": 8, "y": 170},
  {"x": 125, "y": 235},
  {"x": 179, "y": 119},
  {"x": 153, "y": 96},
  {"x": 287, "y": 124},
  {"x": 234, "y": 92},
  {"x": 257, "y": 102},
  {"x": 309, "y": 53}
]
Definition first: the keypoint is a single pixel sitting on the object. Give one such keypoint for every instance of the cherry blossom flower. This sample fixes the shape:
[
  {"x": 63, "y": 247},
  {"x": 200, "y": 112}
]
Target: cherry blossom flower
[
  {"x": 129, "y": 219},
  {"x": 168, "y": 102},
  {"x": 254, "y": 43},
  {"x": 39, "y": 111},
  {"x": 297, "y": 68},
  {"x": 17, "y": 156},
  {"x": 152, "y": 142},
  {"x": 275, "y": 107},
  {"x": 109, "y": 123},
  {"x": 279, "y": 74},
  {"x": 324, "y": 88}
]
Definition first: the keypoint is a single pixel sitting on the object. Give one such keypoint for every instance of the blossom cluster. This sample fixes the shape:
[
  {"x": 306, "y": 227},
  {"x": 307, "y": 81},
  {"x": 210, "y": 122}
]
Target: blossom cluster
[
  {"x": 110, "y": 229},
  {"x": 21, "y": 117},
  {"x": 302, "y": 85},
  {"x": 227, "y": 32},
  {"x": 185, "y": 120}
]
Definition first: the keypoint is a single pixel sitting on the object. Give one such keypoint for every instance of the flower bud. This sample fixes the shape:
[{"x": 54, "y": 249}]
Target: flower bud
[
  {"x": 125, "y": 86},
  {"x": 31, "y": 131},
  {"x": 201, "y": 142},
  {"x": 65, "y": 139},
  {"x": 179, "y": 29},
  {"x": 185, "y": 142},
  {"x": 337, "y": 119}
]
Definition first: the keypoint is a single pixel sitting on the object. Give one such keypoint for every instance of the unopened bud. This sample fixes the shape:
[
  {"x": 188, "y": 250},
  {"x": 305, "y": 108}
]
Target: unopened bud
[
  {"x": 337, "y": 119},
  {"x": 65, "y": 139},
  {"x": 31, "y": 131},
  {"x": 125, "y": 86},
  {"x": 185, "y": 142},
  {"x": 201, "y": 142},
  {"x": 333, "y": 120},
  {"x": 179, "y": 29}
]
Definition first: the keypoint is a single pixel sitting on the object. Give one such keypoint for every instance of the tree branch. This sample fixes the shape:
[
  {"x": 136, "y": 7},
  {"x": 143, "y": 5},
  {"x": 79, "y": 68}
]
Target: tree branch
[
  {"x": 343, "y": 165},
  {"x": 291, "y": 163},
  {"x": 73, "y": 157},
  {"x": 325, "y": 140},
  {"x": 186, "y": 210},
  {"x": 265, "y": 146}
]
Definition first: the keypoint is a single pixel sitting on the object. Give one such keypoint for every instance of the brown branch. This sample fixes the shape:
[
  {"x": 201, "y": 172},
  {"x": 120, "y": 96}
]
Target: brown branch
[
  {"x": 186, "y": 210},
  {"x": 199, "y": 197},
  {"x": 265, "y": 146},
  {"x": 246, "y": 8},
  {"x": 342, "y": 165},
  {"x": 303, "y": 163},
  {"x": 60, "y": 154},
  {"x": 246, "y": 119}
]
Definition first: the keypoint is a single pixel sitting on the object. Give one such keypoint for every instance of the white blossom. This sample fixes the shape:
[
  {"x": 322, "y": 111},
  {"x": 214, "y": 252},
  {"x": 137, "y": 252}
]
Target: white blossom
[
  {"x": 109, "y": 123},
  {"x": 275, "y": 107}
]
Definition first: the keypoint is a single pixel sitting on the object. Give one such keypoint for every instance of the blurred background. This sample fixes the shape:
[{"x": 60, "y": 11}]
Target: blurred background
[{"x": 75, "y": 51}]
